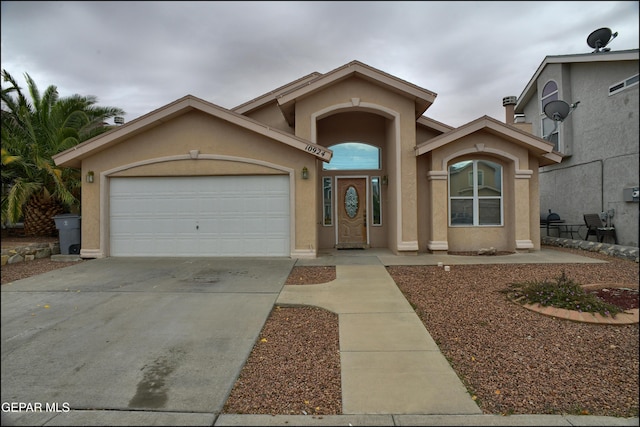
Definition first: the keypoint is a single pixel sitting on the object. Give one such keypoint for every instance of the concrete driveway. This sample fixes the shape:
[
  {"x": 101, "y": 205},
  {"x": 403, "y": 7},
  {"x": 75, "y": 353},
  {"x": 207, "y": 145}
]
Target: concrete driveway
[{"x": 148, "y": 334}]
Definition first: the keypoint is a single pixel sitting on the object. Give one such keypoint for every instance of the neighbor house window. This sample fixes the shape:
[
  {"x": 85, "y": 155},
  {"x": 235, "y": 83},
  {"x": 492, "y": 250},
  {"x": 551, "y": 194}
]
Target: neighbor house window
[
  {"x": 353, "y": 156},
  {"x": 327, "y": 206},
  {"x": 626, "y": 83},
  {"x": 375, "y": 200},
  {"x": 471, "y": 178},
  {"x": 549, "y": 93},
  {"x": 475, "y": 202}
]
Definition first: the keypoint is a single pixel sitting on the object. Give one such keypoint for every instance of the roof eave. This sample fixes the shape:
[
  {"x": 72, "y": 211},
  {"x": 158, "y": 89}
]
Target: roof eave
[
  {"x": 434, "y": 124},
  {"x": 73, "y": 156},
  {"x": 422, "y": 98},
  {"x": 531, "y": 87},
  {"x": 539, "y": 147},
  {"x": 271, "y": 96}
]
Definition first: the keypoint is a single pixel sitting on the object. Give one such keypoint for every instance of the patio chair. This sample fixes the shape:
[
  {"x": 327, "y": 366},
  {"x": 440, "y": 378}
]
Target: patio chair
[{"x": 595, "y": 227}]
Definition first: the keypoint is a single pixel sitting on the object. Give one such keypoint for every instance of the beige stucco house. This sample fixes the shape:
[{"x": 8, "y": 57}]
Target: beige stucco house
[{"x": 344, "y": 159}]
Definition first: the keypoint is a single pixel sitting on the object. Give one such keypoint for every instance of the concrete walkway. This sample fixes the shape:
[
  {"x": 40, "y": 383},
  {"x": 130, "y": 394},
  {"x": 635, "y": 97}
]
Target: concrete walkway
[{"x": 385, "y": 349}]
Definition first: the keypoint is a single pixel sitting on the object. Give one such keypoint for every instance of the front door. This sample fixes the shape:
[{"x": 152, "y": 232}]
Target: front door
[{"x": 352, "y": 213}]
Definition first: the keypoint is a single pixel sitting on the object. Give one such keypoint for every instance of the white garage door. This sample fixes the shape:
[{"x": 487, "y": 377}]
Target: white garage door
[{"x": 200, "y": 216}]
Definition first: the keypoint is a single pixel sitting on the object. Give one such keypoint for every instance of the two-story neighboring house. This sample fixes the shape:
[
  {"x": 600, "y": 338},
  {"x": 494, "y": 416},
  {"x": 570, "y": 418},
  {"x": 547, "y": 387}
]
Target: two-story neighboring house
[{"x": 598, "y": 139}]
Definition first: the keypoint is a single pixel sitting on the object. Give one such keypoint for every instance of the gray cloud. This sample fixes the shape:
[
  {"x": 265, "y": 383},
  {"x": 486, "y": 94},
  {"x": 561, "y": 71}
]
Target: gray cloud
[{"x": 140, "y": 56}]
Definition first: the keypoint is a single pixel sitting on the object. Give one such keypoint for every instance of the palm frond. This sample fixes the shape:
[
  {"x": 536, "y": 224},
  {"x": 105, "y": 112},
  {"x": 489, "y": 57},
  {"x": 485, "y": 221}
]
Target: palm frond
[{"x": 36, "y": 129}]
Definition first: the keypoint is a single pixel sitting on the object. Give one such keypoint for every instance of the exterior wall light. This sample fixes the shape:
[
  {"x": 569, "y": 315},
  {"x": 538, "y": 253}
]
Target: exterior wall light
[
  {"x": 90, "y": 177},
  {"x": 305, "y": 173}
]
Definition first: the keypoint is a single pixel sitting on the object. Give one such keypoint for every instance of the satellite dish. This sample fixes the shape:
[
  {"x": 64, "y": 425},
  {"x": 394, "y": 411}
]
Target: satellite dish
[
  {"x": 557, "y": 110},
  {"x": 600, "y": 38}
]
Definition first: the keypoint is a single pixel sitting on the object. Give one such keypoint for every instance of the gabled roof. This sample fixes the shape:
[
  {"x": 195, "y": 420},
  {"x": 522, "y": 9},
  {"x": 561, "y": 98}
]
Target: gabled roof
[
  {"x": 434, "y": 124},
  {"x": 271, "y": 96},
  {"x": 531, "y": 88},
  {"x": 423, "y": 98},
  {"x": 538, "y": 146},
  {"x": 73, "y": 156}
]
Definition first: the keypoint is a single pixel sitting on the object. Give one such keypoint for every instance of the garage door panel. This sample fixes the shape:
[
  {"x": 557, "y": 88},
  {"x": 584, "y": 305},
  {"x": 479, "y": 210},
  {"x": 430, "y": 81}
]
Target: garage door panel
[
  {"x": 276, "y": 225},
  {"x": 200, "y": 216}
]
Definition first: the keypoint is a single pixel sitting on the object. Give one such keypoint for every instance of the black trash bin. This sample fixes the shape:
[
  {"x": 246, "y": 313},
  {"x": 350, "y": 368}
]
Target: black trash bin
[{"x": 68, "y": 226}]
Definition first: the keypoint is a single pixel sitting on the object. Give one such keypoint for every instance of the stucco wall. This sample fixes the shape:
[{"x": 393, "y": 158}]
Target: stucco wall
[
  {"x": 424, "y": 201},
  {"x": 517, "y": 196},
  {"x": 270, "y": 114},
  {"x": 602, "y": 138},
  {"x": 209, "y": 136},
  {"x": 356, "y": 94}
]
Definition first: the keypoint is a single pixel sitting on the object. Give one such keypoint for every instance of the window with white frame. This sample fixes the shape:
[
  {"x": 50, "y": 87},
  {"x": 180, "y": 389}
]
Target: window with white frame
[
  {"x": 376, "y": 202},
  {"x": 479, "y": 202},
  {"x": 327, "y": 201},
  {"x": 620, "y": 86},
  {"x": 549, "y": 127},
  {"x": 354, "y": 156}
]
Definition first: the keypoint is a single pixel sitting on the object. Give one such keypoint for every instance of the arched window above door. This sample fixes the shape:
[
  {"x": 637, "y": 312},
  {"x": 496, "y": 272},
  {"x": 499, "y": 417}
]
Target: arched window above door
[{"x": 354, "y": 156}]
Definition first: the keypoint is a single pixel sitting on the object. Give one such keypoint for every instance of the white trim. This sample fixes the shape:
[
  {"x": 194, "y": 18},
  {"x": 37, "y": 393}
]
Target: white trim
[
  {"x": 91, "y": 253},
  {"x": 476, "y": 198},
  {"x": 500, "y": 153},
  {"x": 357, "y": 168},
  {"x": 623, "y": 85},
  {"x": 379, "y": 178},
  {"x": 408, "y": 246},
  {"x": 519, "y": 173},
  {"x": 333, "y": 219},
  {"x": 105, "y": 219},
  {"x": 532, "y": 143},
  {"x": 438, "y": 175},
  {"x": 524, "y": 244},
  {"x": 524, "y": 174},
  {"x": 438, "y": 245},
  {"x": 304, "y": 253}
]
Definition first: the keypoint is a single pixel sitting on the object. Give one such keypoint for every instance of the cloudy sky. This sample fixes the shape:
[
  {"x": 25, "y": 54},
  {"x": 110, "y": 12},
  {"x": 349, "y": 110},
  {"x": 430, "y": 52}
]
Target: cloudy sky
[{"x": 139, "y": 56}]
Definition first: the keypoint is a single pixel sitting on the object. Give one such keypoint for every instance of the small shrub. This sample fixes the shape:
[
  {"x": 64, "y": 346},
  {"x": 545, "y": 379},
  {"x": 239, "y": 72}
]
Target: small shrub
[{"x": 563, "y": 293}]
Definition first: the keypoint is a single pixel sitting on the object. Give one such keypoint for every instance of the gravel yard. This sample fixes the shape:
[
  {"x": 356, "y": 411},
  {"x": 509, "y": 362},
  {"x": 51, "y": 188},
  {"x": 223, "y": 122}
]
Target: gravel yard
[{"x": 512, "y": 360}]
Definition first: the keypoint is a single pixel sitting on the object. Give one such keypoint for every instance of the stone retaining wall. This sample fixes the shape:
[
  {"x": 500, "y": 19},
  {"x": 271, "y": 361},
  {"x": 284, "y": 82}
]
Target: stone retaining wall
[
  {"x": 30, "y": 252},
  {"x": 626, "y": 252}
]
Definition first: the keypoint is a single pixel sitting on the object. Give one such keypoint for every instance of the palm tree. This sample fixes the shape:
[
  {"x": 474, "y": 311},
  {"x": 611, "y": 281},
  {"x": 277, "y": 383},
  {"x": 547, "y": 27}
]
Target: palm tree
[{"x": 33, "y": 187}]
